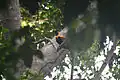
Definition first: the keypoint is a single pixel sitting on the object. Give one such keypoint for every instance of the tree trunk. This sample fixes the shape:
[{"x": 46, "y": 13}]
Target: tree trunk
[{"x": 12, "y": 15}]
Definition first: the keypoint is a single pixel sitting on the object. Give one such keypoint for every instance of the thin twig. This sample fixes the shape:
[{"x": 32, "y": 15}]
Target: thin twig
[{"x": 72, "y": 68}]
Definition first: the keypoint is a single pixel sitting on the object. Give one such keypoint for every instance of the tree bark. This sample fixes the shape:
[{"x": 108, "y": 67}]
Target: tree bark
[
  {"x": 11, "y": 15},
  {"x": 52, "y": 58}
]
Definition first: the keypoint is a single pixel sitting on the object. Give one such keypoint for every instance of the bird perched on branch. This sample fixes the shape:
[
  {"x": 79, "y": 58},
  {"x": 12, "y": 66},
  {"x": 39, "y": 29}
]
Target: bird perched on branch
[{"x": 59, "y": 38}]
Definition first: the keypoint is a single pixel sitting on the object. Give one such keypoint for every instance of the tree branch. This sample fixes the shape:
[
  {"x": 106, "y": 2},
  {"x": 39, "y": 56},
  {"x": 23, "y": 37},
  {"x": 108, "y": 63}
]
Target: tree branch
[
  {"x": 50, "y": 40},
  {"x": 109, "y": 56}
]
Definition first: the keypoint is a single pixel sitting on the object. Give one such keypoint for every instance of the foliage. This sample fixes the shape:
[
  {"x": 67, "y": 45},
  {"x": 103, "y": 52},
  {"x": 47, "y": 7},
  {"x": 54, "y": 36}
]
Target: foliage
[
  {"x": 84, "y": 64},
  {"x": 28, "y": 75},
  {"x": 44, "y": 23},
  {"x": 33, "y": 28}
]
